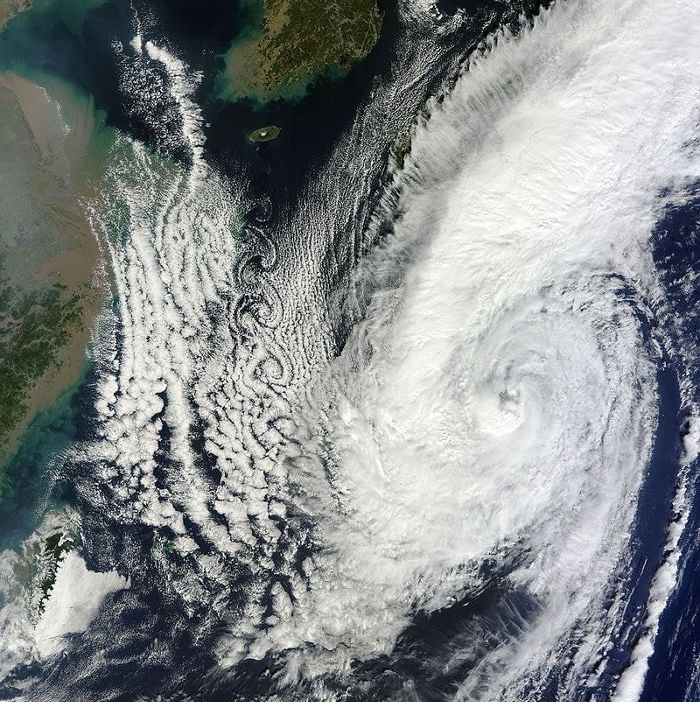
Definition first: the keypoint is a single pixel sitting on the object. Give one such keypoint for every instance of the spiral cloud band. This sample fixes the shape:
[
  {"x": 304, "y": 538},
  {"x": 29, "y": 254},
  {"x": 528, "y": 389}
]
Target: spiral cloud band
[
  {"x": 489, "y": 424},
  {"x": 499, "y": 404}
]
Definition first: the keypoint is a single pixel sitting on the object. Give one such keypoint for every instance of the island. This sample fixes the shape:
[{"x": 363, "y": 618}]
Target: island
[
  {"x": 264, "y": 134},
  {"x": 289, "y": 44}
]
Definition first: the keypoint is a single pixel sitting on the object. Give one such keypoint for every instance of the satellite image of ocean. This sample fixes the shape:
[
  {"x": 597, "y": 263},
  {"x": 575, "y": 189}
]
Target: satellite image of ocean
[{"x": 350, "y": 350}]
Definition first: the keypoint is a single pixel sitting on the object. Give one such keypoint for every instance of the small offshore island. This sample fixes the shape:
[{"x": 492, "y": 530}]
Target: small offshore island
[
  {"x": 264, "y": 134},
  {"x": 289, "y": 44}
]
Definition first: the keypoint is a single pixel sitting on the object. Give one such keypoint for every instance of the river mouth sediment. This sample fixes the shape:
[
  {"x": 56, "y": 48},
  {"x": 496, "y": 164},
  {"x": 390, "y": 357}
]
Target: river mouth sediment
[{"x": 48, "y": 252}]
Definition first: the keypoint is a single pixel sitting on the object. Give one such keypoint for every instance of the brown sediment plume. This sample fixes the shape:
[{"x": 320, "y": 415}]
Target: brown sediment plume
[
  {"x": 61, "y": 122},
  {"x": 61, "y": 251}
]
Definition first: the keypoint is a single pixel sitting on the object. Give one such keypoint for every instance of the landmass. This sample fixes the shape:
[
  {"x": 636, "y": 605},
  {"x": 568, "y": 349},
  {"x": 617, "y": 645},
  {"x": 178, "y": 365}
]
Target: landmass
[
  {"x": 35, "y": 326},
  {"x": 401, "y": 147},
  {"x": 56, "y": 547},
  {"x": 10, "y": 8},
  {"x": 264, "y": 134},
  {"x": 70, "y": 13},
  {"x": 291, "y": 43},
  {"x": 48, "y": 253}
]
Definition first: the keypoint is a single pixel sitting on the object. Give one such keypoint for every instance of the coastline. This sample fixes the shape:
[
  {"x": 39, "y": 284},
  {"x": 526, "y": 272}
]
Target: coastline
[
  {"x": 51, "y": 251},
  {"x": 287, "y": 47}
]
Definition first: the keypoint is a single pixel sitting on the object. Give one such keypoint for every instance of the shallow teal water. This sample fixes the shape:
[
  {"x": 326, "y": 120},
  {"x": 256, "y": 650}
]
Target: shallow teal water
[{"x": 31, "y": 473}]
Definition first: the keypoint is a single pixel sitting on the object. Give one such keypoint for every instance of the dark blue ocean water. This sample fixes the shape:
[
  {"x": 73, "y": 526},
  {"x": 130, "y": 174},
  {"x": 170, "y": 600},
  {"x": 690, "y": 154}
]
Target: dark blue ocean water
[{"x": 673, "y": 673}]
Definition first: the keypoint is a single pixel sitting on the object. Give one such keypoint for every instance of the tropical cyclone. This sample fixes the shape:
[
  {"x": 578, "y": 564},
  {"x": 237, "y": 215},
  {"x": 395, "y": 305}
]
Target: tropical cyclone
[
  {"x": 489, "y": 423},
  {"x": 492, "y": 415}
]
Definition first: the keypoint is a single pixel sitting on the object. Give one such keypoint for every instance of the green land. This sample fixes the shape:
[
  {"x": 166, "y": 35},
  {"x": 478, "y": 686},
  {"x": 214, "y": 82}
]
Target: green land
[
  {"x": 56, "y": 547},
  {"x": 48, "y": 253},
  {"x": 34, "y": 326},
  {"x": 291, "y": 43},
  {"x": 264, "y": 134},
  {"x": 40, "y": 557}
]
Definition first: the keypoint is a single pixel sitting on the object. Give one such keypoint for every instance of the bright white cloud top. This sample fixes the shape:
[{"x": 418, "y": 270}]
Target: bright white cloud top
[
  {"x": 493, "y": 414},
  {"x": 73, "y": 602}
]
